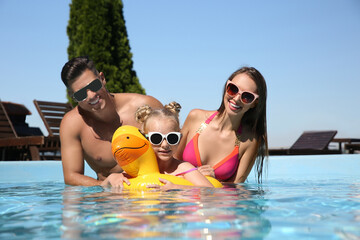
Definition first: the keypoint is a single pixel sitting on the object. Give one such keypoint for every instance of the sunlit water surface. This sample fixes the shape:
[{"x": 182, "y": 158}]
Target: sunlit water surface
[{"x": 280, "y": 208}]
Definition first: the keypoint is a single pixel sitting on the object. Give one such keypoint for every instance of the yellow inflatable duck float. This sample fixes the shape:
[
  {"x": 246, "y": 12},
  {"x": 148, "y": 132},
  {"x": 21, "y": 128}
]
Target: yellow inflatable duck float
[{"x": 135, "y": 155}]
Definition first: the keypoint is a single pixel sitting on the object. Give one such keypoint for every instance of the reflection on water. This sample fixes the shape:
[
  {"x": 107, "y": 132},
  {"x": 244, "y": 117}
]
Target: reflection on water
[{"x": 233, "y": 212}]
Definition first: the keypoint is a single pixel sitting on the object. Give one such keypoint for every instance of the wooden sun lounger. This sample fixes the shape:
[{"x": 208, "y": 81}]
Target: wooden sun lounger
[
  {"x": 314, "y": 142},
  {"x": 24, "y": 148},
  {"x": 309, "y": 143},
  {"x": 51, "y": 113}
]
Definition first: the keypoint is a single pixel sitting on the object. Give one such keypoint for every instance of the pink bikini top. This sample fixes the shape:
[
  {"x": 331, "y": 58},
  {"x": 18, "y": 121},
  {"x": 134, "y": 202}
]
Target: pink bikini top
[{"x": 225, "y": 168}]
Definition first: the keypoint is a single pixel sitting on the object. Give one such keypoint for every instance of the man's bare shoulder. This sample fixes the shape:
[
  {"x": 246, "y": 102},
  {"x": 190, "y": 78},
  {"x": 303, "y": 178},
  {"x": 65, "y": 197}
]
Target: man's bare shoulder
[
  {"x": 136, "y": 100},
  {"x": 72, "y": 121}
]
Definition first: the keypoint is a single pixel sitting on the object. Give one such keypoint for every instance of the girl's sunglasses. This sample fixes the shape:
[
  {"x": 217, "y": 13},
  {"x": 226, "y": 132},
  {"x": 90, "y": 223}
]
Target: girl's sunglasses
[
  {"x": 156, "y": 138},
  {"x": 94, "y": 86},
  {"x": 246, "y": 97}
]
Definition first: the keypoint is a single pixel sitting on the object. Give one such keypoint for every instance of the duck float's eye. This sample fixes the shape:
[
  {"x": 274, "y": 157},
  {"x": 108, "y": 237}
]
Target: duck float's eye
[{"x": 127, "y": 137}]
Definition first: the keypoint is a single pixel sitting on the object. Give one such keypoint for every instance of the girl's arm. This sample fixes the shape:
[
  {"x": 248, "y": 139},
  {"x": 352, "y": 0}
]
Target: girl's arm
[
  {"x": 169, "y": 185},
  {"x": 196, "y": 178},
  {"x": 186, "y": 169}
]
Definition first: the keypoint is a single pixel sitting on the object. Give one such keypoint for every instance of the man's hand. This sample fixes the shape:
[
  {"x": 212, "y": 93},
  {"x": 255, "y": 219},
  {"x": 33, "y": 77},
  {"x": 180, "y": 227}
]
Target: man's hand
[{"x": 116, "y": 180}]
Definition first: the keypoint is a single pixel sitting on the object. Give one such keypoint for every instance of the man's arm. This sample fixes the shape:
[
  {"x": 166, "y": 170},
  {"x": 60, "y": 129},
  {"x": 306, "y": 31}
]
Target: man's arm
[{"x": 72, "y": 153}]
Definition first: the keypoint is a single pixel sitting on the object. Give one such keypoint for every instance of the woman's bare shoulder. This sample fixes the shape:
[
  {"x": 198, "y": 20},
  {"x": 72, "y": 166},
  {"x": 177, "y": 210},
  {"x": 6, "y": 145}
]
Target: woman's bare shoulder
[{"x": 199, "y": 115}]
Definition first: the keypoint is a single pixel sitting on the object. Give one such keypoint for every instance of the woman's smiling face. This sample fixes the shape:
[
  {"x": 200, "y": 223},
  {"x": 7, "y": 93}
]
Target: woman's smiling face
[{"x": 233, "y": 104}]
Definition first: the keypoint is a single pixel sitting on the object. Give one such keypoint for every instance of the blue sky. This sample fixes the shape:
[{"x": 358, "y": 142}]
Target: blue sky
[{"x": 308, "y": 52}]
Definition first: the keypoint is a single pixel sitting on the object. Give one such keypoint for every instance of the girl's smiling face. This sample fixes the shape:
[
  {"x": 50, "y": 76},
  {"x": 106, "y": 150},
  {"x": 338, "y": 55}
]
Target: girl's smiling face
[{"x": 164, "y": 151}]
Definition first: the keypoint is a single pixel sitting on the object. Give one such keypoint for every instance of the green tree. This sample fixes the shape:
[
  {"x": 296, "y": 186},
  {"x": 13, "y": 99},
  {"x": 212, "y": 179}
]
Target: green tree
[{"x": 97, "y": 29}]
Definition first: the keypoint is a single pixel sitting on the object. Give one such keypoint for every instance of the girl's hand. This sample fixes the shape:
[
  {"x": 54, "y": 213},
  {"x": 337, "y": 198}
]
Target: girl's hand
[
  {"x": 167, "y": 185},
  {"x": 207, "y": 170},
  {"x": 116, "y": 180}
]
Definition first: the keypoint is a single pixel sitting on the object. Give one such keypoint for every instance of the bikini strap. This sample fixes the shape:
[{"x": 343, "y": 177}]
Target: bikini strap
[
  {"x": 183, "y": 173},
  {"x": 211, "y": 117},
  {"x": 204, "y": 124},
  {"x": 202, "y": 127}
]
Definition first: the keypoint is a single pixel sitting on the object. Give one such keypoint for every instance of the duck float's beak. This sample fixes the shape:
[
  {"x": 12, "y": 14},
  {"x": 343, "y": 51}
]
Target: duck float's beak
[{"x": 127, "y": 148}]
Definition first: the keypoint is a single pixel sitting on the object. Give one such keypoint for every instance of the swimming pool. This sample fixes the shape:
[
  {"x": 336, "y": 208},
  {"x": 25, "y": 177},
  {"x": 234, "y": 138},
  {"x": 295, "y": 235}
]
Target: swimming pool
[{"x": 303, "y": 197}]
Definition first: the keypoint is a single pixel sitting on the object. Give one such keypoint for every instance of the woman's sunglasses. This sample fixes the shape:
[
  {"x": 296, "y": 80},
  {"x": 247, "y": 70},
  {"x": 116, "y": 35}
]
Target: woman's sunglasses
[
  {"x": 246, "y": 97},
  {"x": 156, "y": 138},
  {"x": 94, "y": 86}
]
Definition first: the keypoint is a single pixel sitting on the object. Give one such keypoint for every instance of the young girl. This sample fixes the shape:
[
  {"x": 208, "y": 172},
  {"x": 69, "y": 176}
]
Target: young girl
[{"x": 161, "y": 127}]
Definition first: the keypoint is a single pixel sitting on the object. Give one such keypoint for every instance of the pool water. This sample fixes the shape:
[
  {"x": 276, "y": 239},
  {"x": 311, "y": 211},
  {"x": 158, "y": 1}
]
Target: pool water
[{"x": 302, "y": 197}]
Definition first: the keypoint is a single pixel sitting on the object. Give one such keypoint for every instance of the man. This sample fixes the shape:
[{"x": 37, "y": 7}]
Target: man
[{"x": 86, "y": 130}]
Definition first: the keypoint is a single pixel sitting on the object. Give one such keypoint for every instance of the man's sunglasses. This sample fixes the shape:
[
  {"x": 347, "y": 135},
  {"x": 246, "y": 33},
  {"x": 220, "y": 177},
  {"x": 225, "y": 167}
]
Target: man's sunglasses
[
  {"x": 156, "y": 138},
  {"x": 94, "y": 86},
  {"x": 246, "y": 97}
]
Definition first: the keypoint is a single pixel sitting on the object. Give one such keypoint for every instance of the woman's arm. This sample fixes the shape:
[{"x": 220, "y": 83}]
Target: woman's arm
[
  {"x": 190, "y": 173},
  {"x": 247, "y": 161}
]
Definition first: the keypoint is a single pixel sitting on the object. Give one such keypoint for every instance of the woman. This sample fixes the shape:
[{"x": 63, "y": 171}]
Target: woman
[{"x": 226, "y": 143}]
